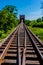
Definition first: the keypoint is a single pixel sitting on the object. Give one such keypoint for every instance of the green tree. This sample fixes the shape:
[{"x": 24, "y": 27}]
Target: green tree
[
  {"x": 8, "y": 19},
  {"x": 39, "y": 20},
  {"x": 10, "y": 8},
  {"x": 27, "y": 22}
]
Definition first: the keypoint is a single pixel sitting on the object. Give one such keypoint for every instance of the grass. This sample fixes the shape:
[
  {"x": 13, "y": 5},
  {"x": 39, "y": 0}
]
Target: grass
[
  {"x": 37, "y": 31},
  {"x": 5, "y": 35}
]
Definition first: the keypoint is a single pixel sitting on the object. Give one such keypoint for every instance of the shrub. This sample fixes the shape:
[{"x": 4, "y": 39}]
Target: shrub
[
  {"x": 3, "y": 36},
  {"x": 40, "y": 24}
]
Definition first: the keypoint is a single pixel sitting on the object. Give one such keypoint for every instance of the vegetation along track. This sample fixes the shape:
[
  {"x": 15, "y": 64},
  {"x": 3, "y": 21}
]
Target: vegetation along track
[{"x": 22, "y": 47}]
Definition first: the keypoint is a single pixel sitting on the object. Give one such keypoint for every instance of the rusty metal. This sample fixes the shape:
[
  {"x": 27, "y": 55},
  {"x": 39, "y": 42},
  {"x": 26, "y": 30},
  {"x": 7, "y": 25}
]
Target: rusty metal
[
  {"x": 24, "y": 50},
  {"x": 19, "y": 55},
  {"x": 5, "y": 50},
  {"x": 36, "y": 48}
]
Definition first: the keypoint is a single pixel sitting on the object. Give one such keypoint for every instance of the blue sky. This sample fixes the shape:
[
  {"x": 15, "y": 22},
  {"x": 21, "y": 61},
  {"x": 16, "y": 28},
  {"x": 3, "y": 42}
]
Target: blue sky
[{"x": 31, "y": 8}]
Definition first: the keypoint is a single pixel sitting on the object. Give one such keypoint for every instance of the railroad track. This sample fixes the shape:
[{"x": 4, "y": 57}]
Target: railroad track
[{"x": 22, "y": 47}]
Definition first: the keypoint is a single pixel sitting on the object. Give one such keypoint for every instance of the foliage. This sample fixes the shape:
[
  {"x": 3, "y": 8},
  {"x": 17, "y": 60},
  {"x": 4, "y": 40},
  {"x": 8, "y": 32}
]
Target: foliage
[
  {"x": 10, "y": 8},
  {"x": 37, "y": 27},
  {"x": 8, "y": 20},
  {"x": 38, "y": 20},
  {"x": 27, "y": 22},
  {"x": 38, "y": 31},
  {"x": 32, "y": 23},
  {"x": 36, "y": 23}
]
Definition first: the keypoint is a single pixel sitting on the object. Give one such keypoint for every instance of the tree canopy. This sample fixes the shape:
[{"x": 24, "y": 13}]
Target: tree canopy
[
  {"x": 8, "y": 18},
  {"x": 10, "y": 8}
]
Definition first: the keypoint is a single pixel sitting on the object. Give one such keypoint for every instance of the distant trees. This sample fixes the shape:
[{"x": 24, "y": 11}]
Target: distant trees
[
  {"x": 39, "y": 20},
  {"x": 27, "y": 22},
  {"x": 32, "y": 23},
  {"x": 42, "y": 18},
  {"x": 35, "y": 23}
]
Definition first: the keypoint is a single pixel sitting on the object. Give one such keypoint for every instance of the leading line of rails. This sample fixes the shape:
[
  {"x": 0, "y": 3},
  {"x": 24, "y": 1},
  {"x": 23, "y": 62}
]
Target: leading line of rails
[{"x": 22, "y": 47}]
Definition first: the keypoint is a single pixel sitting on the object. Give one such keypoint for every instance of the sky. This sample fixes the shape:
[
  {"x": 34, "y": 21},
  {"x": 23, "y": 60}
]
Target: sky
[{"x": 30, "y": 8}]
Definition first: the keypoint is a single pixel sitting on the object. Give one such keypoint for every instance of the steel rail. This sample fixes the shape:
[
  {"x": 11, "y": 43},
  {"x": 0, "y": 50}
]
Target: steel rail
[
  {"x": 19, "y": 55},
  {"x": 8, "y": 45},
  {"x": 9, "y": 35},
  {"x": 24, "y": 50},
  {"x": 21, "y": 59},
  {"x": 5, "y": 50},
  {"x": 36, "y": 37},
  {"x": 37, "y": 49}
]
